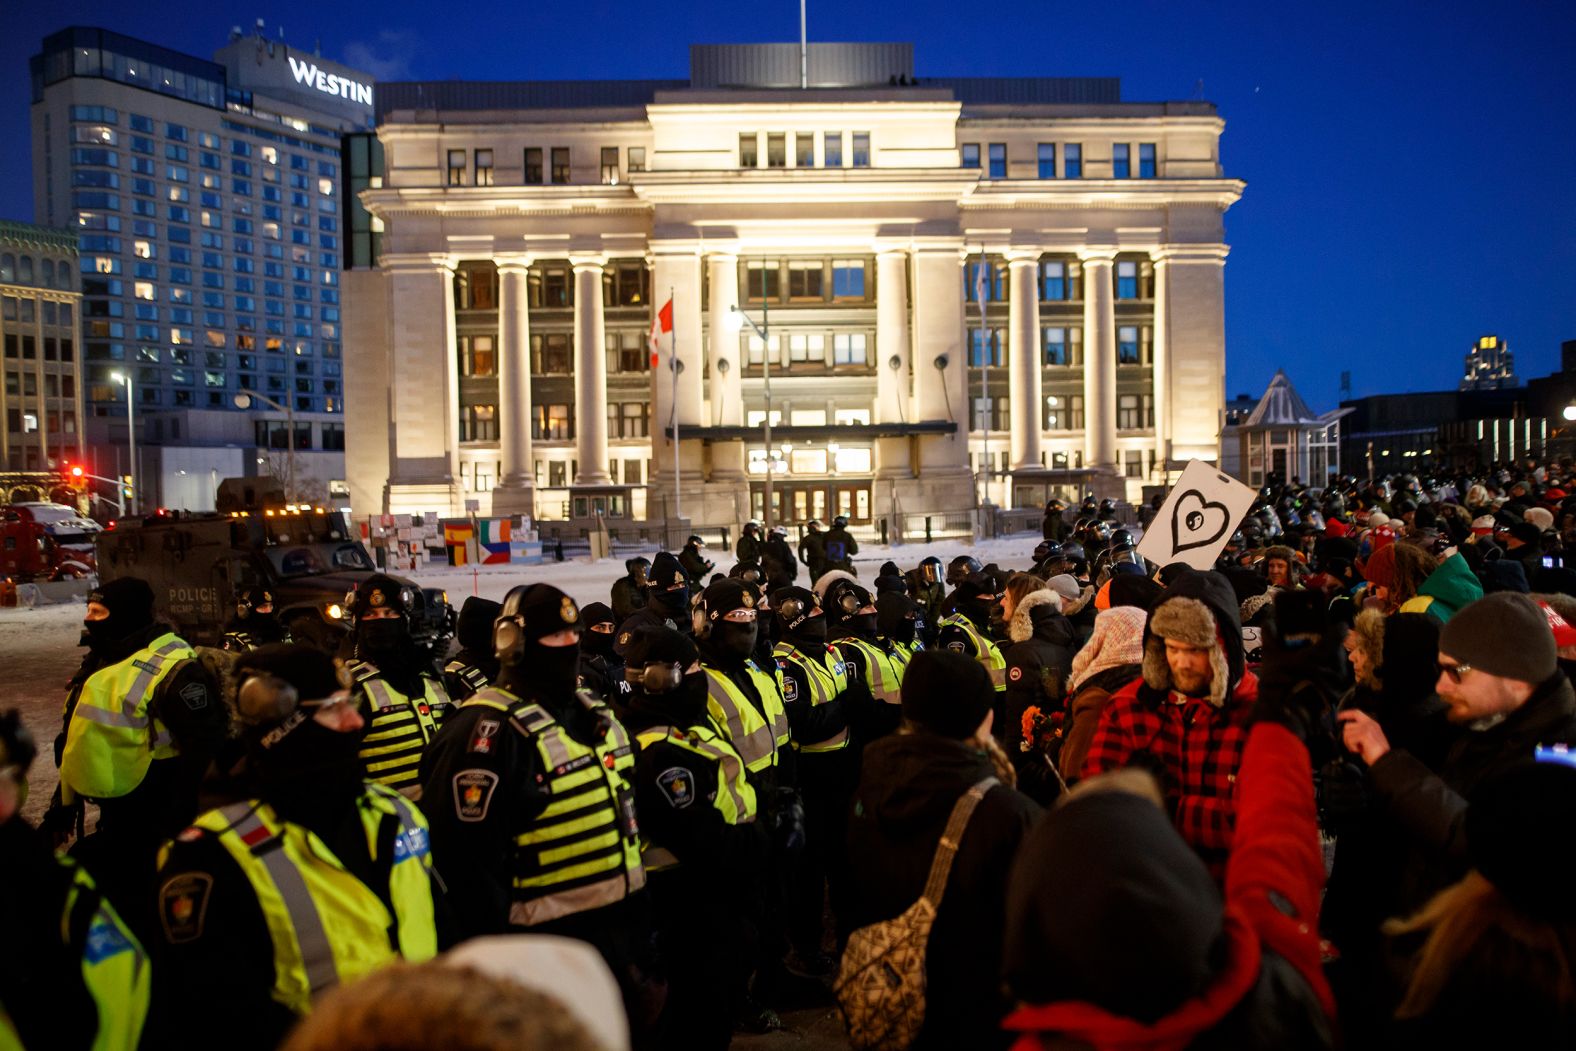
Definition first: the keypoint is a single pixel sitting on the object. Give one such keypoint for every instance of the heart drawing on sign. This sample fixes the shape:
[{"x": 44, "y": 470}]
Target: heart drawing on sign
[{"x": 1197, "y": 522}]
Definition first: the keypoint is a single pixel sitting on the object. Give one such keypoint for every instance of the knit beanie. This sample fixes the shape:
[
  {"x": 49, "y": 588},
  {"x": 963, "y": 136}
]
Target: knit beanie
[
  {"x": 1380, "y": 567},
  {"x": 1541, "y": 517},
  {"x": 1131, "y": 590},
  {"x": 1518, "y": 837},
  {"x": 1504, "y": 634},
  {"x": 1065, "y": 585},
  {"x": 947, "y": 693}
]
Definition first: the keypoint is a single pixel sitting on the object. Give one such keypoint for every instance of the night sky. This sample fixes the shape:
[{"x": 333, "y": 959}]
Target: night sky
[{"x": 1411, "y": 171}]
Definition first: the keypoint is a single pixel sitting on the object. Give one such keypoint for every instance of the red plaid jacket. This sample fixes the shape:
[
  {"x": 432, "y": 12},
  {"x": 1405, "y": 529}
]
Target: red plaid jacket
[{"x": 1200, "y": 748}]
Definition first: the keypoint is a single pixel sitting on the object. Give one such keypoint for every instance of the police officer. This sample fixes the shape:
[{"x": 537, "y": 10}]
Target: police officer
[
  {"x": 818, "y": 697},
  {"x": 533, "y": 812},
  {"x": 874, "y": 663},
  {"x": 404, "y": 701},
  {"x": 696, "y": 565},
  {"x": 704, "y": 850},
  {"x": 777, "y": 560},
  {"x": 812, "y": 550},
  {"x": 966, "y": 629},
  {"x": 667, "y": 602},
  {"x": 748, "y": 549},
  {"x": 255, "y": 623},
  {"x": 142, "y": 720},
  {"x": 629, "y": 591},
  {"x": 307, "y": 875},
  {"x": 601, "y": 670},
  {"x": 73, "y": 975},
  {"x": 927, "y": 588},
  {"x": 839, "y": 547},
  {"x": 745, "y": 699},
  {"x": 958, "y": 570},
  {"x": 474, "y": 666}
]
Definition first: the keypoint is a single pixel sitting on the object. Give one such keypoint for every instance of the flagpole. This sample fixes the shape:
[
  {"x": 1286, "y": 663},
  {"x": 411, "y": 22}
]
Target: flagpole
[
  {"x": 982, "y": 290},
  {"x": 673, "y": 364}
]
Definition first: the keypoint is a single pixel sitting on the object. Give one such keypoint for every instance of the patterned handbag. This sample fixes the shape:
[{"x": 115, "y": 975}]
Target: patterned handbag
[{"x": 881, "y": 980}]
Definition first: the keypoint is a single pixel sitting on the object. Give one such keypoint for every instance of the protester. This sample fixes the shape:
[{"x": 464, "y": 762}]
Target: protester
[{"x": 1109, "y": 661}]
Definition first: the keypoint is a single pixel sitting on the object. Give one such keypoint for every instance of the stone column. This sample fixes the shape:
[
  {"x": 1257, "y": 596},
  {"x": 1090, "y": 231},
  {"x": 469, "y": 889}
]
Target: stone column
[
  {"x": 1099, "y": 348},
  {"x": 892, "y": 343},
  {"x": 590, "y": 373},
  {"x": 940, "y": 379},
  {"x": 1160, "y": 356},
  {"x": 1023, "y": 348},
  {"x": 722, "y": 352},
  {"x": 1196, "y": 348},
  {"x": 516, "y": 490},
  {"x": 424, "y": 370}
]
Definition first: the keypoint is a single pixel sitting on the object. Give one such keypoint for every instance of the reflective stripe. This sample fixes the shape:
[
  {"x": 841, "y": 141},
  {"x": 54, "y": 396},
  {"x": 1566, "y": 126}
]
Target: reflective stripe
[
  {"x": 885, "y": 670},
  {"x": 147, "y": 671},
  {"x": 105, "y": 717},
  {"x": 317, "y": 958},
  {"x": 739, "y": 795},
  {"x": 985, "y": 651},
  {"x": 826, "y": 685},
  {"x": 750, "y": 735}
]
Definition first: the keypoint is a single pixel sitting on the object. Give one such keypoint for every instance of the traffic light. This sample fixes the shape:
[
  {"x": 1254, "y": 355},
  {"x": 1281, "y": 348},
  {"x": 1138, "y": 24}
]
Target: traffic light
[{"x": 125, "y": 489}]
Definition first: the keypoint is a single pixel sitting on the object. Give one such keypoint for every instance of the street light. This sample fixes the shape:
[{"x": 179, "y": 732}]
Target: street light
[
  {"x": 736, "y": 320},
  {"x": 243, "y": 400},
  {"x": 131, "y": 436}
]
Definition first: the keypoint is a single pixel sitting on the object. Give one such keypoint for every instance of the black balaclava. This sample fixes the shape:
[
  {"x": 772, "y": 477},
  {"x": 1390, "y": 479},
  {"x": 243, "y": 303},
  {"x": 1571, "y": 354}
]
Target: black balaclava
[
  {"x": 130, "y": 604},
  {"x": 728, "y": 641},
  {"x": 799, "y": 617},
  {"x": 661, "y": 596},
  {"x": 976, "y": 598},
  {"x": 264, "y": 627},
  {"x": 597, "y": 643},
  {"x": 529, "y": 668},
  {"x": 386, "y": 641},
  {"x": 840, "y": 596},
  {"x": 683, "y": 704},
  {"x": 895, "y": 618}
]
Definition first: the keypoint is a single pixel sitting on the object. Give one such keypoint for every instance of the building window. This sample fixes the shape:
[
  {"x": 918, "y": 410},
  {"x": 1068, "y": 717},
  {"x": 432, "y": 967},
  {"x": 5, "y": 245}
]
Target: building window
[
  {"x": 560, "y": 165},
  {"x": 1121, "y": 161},
  {"x": 1053, "y": 281},
  {"x": 1127, "y": 345},
  {"x": 1047, "y": 160},
  {"x": 625, "y": 284},
  {"x": 634, "y": 419},
  {"x": 989, "y": 414},
  {"x": 1127, "y": 280},
  {"x": 627, "y": 352},
  {"x": 998, "y": 160},
  {"x": 1054, "y": 342},
  {"x": 1134, "y": 464},
  {"x": 861, "y": 149},
  {"x": 993, "y": 281},
  {"x": 776, "y": 150},
  {"x": 484, "y": 167},
  {"x": 550, "y": 288},
  {"x": 749, "y": 156},
  {"x": 476, "y": 287},
  {"x": 557, "y": 473},
  {"x": 755, "y": 354},
  {"x": 637, "y": 158},
  {"x": 479, "y": 423},
  {"x": 762, "y": 281},
  {"x": 804, "y": 149},
  {"x": 848, "y": 279},
  {"x": 1127, "y": 414},
  {"x": 848, "y": 348},
  {"x": 552, "y": 423},
  {"x": 832, "y": 149},
  {"x": 1072, "y": 160},
  {"x": 985, "y": 347},
  {"x": 533, "y": 166},
  {"x": 609, "y": 165},
  {"x": 550, "y": 354},
  {"x": 971, "y": 155},
  {"x": 806, "y": 348},
  {"x": 478, "y": 356},
  {"x": 456, "y": 167},
  {"x": 1146, "y": 160},
  {"x": 806, "y": 280}
]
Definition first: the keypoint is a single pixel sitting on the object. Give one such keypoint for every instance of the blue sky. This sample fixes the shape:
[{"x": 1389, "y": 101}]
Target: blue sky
[{"x": 1411, "y": 167}]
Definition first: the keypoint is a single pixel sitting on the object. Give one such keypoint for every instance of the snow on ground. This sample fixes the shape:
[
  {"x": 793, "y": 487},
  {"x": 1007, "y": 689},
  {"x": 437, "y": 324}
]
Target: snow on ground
[{"x": 588, "y": 581}]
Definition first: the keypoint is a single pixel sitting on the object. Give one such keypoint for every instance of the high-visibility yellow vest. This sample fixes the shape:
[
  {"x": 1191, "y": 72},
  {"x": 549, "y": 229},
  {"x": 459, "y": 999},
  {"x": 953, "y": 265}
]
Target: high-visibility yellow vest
[
  {"x": 400, "y": 728},
  {"x": 583, "y": 850},
  {"x": 756, "y": 733},
  {"x": 326, "y": 925},
  {"x": 114, "y": 966},
  {"x": 828, "y": 679},
  {"x": 114, "y": 736},
  {"x": 733, "y": 795},
  {"x": 985, "y": 651},
  {"x": 884, "y": 669}
]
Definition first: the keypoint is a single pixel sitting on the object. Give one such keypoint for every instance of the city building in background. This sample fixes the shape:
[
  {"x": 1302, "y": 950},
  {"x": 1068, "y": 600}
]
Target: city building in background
[
  {"x": 40, "y": 312},
  {"x": 1489, "y": 366},
  {"x": 207, "y": 199},
  {"x": 949, "y": 290},
  {"x": 1281, "y": 440}
]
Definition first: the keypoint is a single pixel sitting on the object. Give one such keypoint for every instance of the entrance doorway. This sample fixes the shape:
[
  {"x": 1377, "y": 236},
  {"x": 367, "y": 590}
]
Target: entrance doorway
[{"x": 798, "y": 502}]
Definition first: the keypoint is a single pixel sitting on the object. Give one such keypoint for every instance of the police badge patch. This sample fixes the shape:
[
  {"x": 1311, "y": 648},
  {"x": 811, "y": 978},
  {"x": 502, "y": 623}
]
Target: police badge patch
[
  {"x": 473, "y": 792},
  {"x": 955, "y": 647},
  {"x": 790, "y": 689},
  {"x": 183, "y": 904},
  {"x": 568, "y": 611},
  {"x": 195, "y": 695},
  {"x": 678, "y": 785}
]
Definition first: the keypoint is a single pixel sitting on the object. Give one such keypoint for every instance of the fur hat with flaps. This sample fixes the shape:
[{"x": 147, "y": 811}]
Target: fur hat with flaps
[{"x": 1199, "y": 609}]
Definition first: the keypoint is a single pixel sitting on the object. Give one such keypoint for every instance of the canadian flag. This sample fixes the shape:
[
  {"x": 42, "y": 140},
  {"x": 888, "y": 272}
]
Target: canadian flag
[{"x": 661, "y": 323}]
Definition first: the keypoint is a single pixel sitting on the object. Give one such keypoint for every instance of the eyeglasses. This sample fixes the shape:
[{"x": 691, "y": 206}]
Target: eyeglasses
[{"x": 1455, "y": 671}]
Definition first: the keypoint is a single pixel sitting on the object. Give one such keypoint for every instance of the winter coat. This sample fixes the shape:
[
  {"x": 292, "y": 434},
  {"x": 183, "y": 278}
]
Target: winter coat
[
  {"x": 1083, "y": 716},
  {"x": 748, "y": 549},
  {"x": 696, "y": 566},
  {"x": 1446, "y": 590},
  {"x": 629, "y": 598},
  {"x": 778, "y": 562},
  {"x": 906, "y": 792},
  {"x": 1429, "y": 809},
  {"x": 1196, "y": 741},
  {"x": 1038, "y": 662},
  {"x": 1166, "y": 967},
  {"x": 838, "y": 548}
]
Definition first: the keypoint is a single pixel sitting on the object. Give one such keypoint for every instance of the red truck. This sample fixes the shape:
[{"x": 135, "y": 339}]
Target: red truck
[{"x": 43, "y": 541}]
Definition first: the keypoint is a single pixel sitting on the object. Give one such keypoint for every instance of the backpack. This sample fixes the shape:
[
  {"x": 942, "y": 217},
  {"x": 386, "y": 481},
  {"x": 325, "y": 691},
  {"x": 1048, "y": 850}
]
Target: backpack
[{"x": 881, "y": 979}]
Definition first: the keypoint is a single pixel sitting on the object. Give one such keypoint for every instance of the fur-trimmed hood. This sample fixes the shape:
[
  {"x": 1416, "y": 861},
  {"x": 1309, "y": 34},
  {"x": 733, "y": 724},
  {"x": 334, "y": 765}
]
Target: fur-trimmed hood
[
  {"x": 1199, "y": 609},
  {"x": 1023, "y": 619},
  {"x": 824, "y": 581}
]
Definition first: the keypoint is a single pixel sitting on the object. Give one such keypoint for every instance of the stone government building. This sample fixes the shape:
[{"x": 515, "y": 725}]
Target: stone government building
[{"x": 514, "y": 241}]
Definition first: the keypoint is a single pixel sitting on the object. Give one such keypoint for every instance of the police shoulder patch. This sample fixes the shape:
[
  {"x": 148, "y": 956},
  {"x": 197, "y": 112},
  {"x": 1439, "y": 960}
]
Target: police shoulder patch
[
  {"x": 183, "y": 904},
  {"x": 678, "y": 786},
  {"x": 955, "y": 647},
  {"x": 195, "y": 695},
  {"x": 790, "y": 688},
  {"x": 473, "y": 792}
]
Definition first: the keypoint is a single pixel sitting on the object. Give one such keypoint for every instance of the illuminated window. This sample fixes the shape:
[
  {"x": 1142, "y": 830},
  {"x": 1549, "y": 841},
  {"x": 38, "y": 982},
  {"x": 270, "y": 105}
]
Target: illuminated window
[{"x": 144, "y": 290}]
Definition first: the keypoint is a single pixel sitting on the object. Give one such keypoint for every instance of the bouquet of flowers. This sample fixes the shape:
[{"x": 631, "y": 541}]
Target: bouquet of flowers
[{"x": 1042, "y": 731}]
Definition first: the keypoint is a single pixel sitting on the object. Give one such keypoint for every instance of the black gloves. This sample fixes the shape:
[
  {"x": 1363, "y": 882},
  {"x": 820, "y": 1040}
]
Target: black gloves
[{"x": 787, "y": 821}]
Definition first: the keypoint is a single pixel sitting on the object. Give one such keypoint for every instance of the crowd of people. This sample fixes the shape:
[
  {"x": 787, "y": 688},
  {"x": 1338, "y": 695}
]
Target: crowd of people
[{"x": 1313, "y": 796}]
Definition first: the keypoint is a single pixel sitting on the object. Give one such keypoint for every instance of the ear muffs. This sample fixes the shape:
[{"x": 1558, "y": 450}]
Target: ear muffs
[
  {"x": 700, "y": 623},
  {"x": 508, "y": 637}
]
